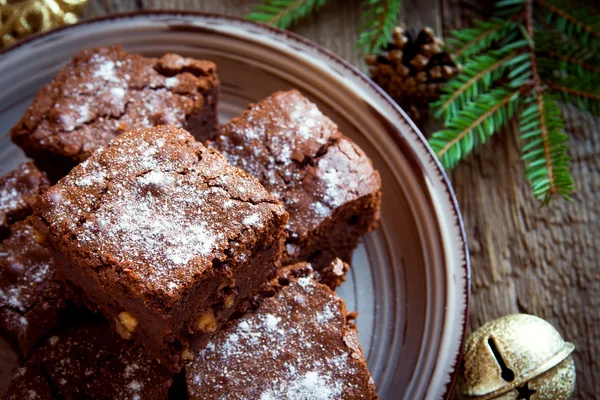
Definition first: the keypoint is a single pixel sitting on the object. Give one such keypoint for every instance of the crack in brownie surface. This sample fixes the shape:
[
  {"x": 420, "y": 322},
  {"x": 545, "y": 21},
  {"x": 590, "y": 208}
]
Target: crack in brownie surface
[{"x": 157, "y": 226}]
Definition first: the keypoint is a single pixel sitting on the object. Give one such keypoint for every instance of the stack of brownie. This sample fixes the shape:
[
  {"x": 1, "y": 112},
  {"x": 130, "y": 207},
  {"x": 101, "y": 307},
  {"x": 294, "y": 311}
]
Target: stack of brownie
[{"x": 173, "y": 258}]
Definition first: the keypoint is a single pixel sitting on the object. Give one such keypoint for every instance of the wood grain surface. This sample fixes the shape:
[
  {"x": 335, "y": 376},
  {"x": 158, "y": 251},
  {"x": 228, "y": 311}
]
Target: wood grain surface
[{"x": 525, "y": 258}]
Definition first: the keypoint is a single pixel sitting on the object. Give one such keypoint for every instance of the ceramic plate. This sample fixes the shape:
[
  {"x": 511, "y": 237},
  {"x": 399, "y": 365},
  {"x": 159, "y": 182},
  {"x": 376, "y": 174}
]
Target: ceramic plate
[{"x": 410, "y": 278}]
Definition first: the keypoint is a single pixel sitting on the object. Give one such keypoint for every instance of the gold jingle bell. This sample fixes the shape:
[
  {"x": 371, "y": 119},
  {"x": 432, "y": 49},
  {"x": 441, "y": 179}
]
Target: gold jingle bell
[{"x": 516, "y": 357}]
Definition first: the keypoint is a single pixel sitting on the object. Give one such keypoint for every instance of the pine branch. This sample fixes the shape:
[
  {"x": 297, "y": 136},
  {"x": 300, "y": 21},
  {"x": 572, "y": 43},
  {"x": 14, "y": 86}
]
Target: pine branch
[
  {"x": 541, "y": 124},
  {"x": 586, "y": 98},
  {"x": 480, "y": 73},
  {"x": 474, "y": 124},
  {"x": 545, "y": 151},
  {"x": 565, "y": 52},
  {"x": 571, "y": 63},
  {"x": 575, "y": 20},
  {"x": 380, "y": 17},
  {"x": 486, "y": 34},
  {"x": 283, "y": 13}
]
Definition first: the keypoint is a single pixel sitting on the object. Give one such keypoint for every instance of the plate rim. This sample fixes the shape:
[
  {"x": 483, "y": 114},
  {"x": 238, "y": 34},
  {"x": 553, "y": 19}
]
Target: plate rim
[{"x": 413, "y": 130}]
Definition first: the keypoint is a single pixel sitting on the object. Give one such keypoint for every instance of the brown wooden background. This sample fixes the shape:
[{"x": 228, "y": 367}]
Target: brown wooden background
[{"x": 542, "y": 261}]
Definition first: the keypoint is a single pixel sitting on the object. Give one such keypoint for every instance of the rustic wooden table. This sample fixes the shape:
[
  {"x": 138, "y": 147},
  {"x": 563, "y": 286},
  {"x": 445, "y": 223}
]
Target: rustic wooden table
[{"x": 525, "y": 258}]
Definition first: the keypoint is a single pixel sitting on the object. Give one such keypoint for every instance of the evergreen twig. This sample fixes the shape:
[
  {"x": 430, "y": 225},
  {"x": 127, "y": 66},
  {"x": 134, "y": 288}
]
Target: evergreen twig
[
  {"x": 541, "y": 65},
  {"x": 575, "y": 20},
  {"x": 283, "y": 13},
  {"x": 474, "y": 124},
  {"x": 471, "y": 41},
  {"x": 378, "y": 20},
  {"x": 543, "y": 181},
  {"x": 479, "y": 74},
  {"x": 547, "y": 166}
]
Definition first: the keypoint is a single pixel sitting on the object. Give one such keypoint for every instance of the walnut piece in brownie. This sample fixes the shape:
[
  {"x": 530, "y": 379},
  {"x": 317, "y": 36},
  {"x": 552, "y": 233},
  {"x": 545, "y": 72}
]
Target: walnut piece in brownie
[
  {"x": 299, "y": 344},
  {"x": 31, "y": 294},
  {"x": 326, "y": 182},
  {"x": 103, "y": 92},
  {"x": 89, "y": 362},
  {"x": 163, "y": 236},
  {"x": 19, "y": 189}
]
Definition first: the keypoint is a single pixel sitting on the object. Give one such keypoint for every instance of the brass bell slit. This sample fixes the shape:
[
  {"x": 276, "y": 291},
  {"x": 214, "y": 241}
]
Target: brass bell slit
[{"x": 507, "y": 374}]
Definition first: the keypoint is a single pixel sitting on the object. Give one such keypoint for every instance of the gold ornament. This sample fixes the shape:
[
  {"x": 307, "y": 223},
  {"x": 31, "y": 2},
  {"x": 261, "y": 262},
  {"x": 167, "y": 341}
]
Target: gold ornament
[
  {"x": 19, "y": 18},
  {"x": 515, "y": 357}
]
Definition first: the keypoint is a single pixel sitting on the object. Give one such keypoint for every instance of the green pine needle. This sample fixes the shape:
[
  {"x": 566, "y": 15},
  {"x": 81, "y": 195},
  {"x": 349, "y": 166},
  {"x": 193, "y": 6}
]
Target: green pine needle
[
  {"x": 480, "y": 73},
  {"x": 545, "y": 150},
  {"x": 380, "y": 17},
  {"x": 565, "y": 50},
  {"x": 582, "y": 92},
  {"x": 283, "y": 13},
  {"x": 474, "y": 124},
  {"x": 468, "y": 42},
  {"x": 574, "y": 19}
]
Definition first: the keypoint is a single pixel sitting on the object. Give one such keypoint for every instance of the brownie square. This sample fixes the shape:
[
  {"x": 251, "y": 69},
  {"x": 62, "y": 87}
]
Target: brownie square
[
  {"x": 299, "y": 344},
  {"x": 31, "y": 295},
  {"x": 103, "y": 92},
  {"x": 163, "y": 236},
  {"x": 19, "y": 189},
  {"x": 87, "y": 361},
  {"x": 326, "y": 182}
]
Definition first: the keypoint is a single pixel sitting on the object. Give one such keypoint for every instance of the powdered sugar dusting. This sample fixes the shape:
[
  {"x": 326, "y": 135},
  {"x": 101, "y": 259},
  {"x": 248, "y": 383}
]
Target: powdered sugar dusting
[
  {"x": 275, "y": 354},
  {"x": 308, "y": 386},
  {"x": 156, "y": 210},
  {"x": 171, "y": 81},
  {"x": 271, "y": 321},
  {"x": 10, "y": 198},
  {"x": 106, "y": 71},
  {"x": 117, "y": 92}
]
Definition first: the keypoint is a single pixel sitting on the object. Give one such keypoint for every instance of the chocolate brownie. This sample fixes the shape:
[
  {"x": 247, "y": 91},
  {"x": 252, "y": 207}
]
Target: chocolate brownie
[
  {"x": 19, "y": 189},
  {"x": 299, "y": 344},
  {"x": 89, "y": 362},
  {"x": 163, "y": 236},
  {"x": 326, "y": 182},
  {"x": 103, "y": 92},
  {"x": 31, "y": 295}
]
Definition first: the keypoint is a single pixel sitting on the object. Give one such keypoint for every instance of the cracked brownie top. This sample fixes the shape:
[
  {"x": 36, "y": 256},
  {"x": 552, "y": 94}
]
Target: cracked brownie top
[
  {"x": 103, "y": 92},
  {"x": 299, "y": 344},
  {"x": 156, "y": 210},
  {"x": 299, "y": 155}
]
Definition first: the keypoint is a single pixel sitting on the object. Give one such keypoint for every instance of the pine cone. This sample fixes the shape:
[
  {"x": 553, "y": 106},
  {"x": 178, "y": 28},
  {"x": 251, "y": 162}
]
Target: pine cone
[{"x": 412, "y": 69}]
